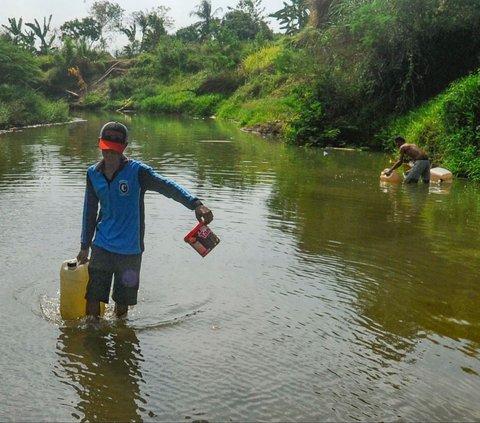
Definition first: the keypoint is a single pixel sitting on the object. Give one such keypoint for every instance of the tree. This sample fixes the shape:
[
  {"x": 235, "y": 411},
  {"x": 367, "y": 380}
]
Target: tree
[
  {"x": 253, "y": 8},
  {"x": 108, "y": 15},
  {"x": 244, "y": 27},
  {"x": 87, "y": 29},
  {"x": 207, "y": 19},
  {"x": 153, "y": 25},
  {"x": 189, "y": 34},
  {"x": 246, "y": 22},
  {"x": 293, "y": 17},
  {"x": 319, "y": 11}
]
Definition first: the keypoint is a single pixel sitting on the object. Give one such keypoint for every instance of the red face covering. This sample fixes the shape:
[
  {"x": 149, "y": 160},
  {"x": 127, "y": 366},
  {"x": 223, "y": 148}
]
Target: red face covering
[
  {"x": 112, "y": 140},
  {"x": 111, "y": 145}
]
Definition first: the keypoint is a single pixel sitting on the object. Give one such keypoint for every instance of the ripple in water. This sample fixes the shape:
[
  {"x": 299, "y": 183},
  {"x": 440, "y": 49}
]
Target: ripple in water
[{"x": 137, "y": 319}]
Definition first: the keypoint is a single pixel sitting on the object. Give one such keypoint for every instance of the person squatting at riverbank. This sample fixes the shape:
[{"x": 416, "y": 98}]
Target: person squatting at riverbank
[
  {"x": 421, "y": 168},
  {"x": 115, "y": 231}
]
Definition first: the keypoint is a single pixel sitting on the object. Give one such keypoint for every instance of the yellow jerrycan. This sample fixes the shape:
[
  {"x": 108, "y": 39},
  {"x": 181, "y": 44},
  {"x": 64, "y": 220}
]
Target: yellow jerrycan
[{"x": 73, "y": 285}]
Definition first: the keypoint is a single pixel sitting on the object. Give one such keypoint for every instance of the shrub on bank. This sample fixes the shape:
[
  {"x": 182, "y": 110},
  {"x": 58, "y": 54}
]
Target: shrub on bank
[
  {"x": 21, "y": 107},
  {"x": 265, "y": 97},
  {"x": 21, "y": 103},
  {"x": 180, "y": 102}
]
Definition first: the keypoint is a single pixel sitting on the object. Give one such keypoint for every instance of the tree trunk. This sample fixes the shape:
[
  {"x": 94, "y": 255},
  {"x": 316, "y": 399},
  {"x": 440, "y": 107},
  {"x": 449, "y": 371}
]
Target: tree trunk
[{"x": 318, "y": 11}]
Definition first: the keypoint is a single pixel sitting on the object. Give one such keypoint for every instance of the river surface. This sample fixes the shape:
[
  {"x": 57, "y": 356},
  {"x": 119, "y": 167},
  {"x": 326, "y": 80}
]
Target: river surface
[{"x": 331, "y": 297}]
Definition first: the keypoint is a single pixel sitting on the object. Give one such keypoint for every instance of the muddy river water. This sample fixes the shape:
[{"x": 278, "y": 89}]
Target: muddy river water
[{"x": 331, "y": 297}]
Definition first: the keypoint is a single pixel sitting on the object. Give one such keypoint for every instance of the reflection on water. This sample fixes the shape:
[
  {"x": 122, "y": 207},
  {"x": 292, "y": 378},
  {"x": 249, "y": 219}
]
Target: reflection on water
[
  {"x": 103, "y": 366},
  {"x": 332, "y": 296}
]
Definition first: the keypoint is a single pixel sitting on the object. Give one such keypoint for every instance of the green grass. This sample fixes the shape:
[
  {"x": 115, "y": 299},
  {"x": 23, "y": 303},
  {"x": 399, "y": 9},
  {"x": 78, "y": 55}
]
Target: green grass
[
  {"x": 181, "y": 102},
  {"x": 261, "y": 60}
]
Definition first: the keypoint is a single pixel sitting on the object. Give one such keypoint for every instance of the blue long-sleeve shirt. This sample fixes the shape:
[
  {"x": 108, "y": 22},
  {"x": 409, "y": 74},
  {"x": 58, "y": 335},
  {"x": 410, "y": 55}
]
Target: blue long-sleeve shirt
[{"x": 119, "y": 225}]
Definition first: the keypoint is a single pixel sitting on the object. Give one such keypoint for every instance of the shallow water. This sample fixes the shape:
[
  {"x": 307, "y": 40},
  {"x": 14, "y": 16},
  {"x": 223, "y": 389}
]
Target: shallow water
[{"x": 331, "y": 297}]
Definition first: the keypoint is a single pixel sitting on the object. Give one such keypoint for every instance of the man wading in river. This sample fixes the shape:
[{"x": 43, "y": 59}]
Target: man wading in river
[
  {"x": 115, "y": 232},
  {"x": 421, "y": 166}
]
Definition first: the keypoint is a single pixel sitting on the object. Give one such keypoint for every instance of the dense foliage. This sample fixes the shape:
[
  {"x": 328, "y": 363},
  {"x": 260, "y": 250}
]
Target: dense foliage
[
  {"x": 339, "y": 74},
  {"x": 21, "y": 103},
  {"x": 383, "y": 57}
]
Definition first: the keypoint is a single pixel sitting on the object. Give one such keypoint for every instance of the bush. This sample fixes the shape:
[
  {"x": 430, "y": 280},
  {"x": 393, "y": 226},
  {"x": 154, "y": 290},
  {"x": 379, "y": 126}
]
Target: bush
[
  {"x": 261, "y": 60},
  {"x": 17, "y": 66},
  {"x": 206, "y": 105},
  {"x": 460, "y": 117},
  {"x": 181, "y": 102},
  {"x": 21, "y": 107},
  {"x": 224, "y": 83},
  {"x": 4, "y": 115},
  {"x": 93, "y": 101},
  {"x": 255, "y": 111},
  {"x": 123, "y": 87}
]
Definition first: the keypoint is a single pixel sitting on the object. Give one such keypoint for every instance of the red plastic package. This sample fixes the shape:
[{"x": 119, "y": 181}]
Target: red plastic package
[{"x": 202, "y": 239}]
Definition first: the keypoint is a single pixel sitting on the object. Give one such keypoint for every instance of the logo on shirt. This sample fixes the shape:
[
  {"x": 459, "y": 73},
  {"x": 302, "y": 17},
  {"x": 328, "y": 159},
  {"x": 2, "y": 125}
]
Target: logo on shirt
[{"x": 123, "y": 187}]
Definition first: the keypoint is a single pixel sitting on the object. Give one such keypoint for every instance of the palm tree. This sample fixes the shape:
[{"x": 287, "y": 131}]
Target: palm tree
[{"x": 204, "y": 12}]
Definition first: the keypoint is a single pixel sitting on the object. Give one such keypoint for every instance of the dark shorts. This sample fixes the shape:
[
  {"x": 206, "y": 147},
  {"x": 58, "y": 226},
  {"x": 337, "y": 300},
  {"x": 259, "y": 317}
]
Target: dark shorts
[{"x": 125, "y": 271}]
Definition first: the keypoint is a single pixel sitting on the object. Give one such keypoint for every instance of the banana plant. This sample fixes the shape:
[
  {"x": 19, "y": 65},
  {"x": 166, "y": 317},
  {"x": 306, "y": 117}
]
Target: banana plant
[
  {"x": 41, "y": 33},
  {"x": 131, "y": 33},
  {"x": 25, "y": 40}
]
